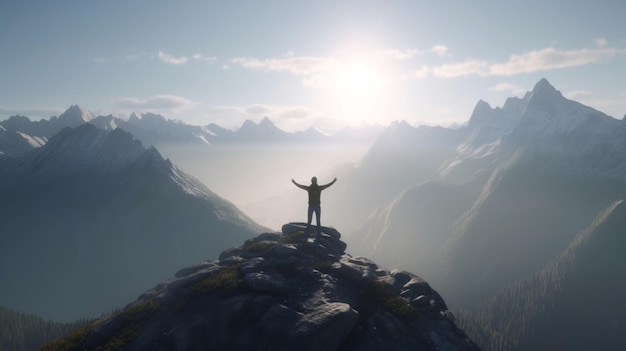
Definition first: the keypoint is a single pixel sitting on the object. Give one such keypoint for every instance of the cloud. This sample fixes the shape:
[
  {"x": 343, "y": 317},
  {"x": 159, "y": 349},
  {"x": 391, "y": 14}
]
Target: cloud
[
  {"x": 399, "y": 54},
  {"x": 534, "y": 61},
  {"x": 440, "y": 50},
  {"x": 460, "y": 69},
  {"x": 181, "y": 60},
  {"x": 508, "y": 87},
  {"x": 258, "y": 110},
  {"x": 171, "y": 59},
  {"x": 601, "y": 42},
  {"x": 31, "y": 112},
  {"x": 166, "y": 102},
  {"x": 578, "y": 94},
  {"x": 296, "y": 113},
  {"x": 301, "y": 65},
  {"x": 551, "y": 58},
  {"x": 421, "y": 73},
  {"x": 203, "y": 58}
]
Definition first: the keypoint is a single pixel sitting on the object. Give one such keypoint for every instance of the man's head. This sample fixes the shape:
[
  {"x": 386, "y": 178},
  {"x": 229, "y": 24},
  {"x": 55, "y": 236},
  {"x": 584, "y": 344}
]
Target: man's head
[{"x": 314, "y": 180}]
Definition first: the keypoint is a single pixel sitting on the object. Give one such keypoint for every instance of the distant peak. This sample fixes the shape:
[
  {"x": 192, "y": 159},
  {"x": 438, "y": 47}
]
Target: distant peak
[
  {"x": 76, "y": 115},
  {"x": 267, "y": 122},
  {"x": 543, "y": 87},
  {"x": 482, "y": 112}
]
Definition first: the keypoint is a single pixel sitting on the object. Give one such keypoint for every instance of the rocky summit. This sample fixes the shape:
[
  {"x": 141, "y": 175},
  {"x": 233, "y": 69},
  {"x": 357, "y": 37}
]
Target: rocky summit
[{"x": 280, "y": 291}]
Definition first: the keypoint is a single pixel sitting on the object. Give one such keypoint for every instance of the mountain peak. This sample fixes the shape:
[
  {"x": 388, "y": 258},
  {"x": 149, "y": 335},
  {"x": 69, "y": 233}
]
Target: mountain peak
[
  {"x": 75, "y": 116},
  {"x": 283, "y": 291},
  {"x": 543, "y": 90},
  {"x": 74, "y": 150},
  {"x": 267, "y": 122},
  {"x": 481, "y": 113}
]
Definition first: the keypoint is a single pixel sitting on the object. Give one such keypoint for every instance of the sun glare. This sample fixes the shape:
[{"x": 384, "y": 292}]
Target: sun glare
[{"x": 358, "y": 89}]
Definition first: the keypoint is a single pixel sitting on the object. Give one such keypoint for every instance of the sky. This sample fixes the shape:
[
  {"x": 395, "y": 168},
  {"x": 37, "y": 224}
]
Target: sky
[{"x": 327, "y": 64}]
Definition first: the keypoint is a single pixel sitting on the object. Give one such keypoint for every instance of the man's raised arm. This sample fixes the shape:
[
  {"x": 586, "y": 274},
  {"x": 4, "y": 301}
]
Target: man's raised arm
[
  {"x": 299, "y": 185},
  {"x": 329, "y": 184}
]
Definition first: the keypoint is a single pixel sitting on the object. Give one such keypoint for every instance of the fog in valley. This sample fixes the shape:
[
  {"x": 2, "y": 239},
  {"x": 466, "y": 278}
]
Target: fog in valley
[{"x": 257, "y": 177}]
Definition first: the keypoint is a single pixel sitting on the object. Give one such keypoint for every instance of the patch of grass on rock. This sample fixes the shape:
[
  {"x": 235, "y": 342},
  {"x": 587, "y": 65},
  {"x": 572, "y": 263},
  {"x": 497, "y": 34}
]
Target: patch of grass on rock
[
  {"x": 226, "y": 280},
  {"x": 382, "y": 296}
]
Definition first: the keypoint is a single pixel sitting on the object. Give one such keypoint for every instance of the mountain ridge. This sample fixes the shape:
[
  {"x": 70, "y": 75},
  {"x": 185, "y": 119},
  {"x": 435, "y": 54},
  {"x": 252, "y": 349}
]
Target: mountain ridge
[
  {"x": 156, "y": 130},
  {"x": 98, "y": 208},
  {"x": 506, "y": 195}
]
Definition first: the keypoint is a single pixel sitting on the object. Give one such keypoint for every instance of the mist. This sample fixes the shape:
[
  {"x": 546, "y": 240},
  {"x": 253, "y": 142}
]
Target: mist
[{"x": 257, "y": 177}]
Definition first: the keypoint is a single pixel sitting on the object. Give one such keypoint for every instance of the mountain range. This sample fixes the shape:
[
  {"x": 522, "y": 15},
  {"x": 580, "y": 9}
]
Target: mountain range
[
  {"x": 92, "y": 217},
  {"x": 156, "y": 130},
  {"x": 486, "y": 207},
  {"x": 515, "y": 217}
]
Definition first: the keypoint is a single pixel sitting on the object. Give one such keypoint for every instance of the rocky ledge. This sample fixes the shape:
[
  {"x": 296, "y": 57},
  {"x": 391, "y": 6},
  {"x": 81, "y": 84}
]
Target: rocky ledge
[{"x": 280, "y": 291}]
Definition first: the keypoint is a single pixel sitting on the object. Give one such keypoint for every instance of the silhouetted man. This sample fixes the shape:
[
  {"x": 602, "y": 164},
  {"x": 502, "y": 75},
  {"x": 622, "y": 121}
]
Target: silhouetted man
[{"x": 315, "y": 192}]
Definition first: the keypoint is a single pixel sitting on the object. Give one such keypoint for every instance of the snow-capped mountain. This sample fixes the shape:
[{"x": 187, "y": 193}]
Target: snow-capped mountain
[
  {"x": 156, "y": 130},
  {"x": 92, "y": 217},
  {"x": 490, "y": 205},
  {"x": 587, "y": 139},
  {"x": 15, "y": 143}
]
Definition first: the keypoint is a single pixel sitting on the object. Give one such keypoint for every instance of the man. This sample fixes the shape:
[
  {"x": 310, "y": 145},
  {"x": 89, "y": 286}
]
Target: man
[{"x": 315, "y": 192}]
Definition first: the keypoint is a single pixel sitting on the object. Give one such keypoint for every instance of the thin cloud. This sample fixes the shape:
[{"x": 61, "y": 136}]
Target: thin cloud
[
  {"x": 399, "y": 54},
  {"x": 421, "y": 73},
  {"x": 534, "y": 61},
  {"x": 300, "y": 65},
  {"x": 203, "y": 58},
  {"x": 167, "y": 102},
  {"x": 171, "y": 59},
  {"x": 460, "y": 69},
  {"x": 508, "y": 88},
  {"x": 31, "y": 112},
  {"x": 551, "y": 58},
  {"x": 258, "y": 109},
  {"x": 578, "y": 94},
  {"x": 440, "y": 50},
  {"x": 296, "y": 113}
]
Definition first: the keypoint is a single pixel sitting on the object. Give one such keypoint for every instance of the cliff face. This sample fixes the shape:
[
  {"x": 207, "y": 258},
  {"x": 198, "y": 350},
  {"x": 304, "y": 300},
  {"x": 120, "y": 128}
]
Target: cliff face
[{"x": 280, "y": 291}]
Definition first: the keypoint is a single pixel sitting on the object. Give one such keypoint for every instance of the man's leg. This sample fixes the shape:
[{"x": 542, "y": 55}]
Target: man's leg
[
  {"x": 308, "y": 222},
  {"x": 318, "y": 213}
]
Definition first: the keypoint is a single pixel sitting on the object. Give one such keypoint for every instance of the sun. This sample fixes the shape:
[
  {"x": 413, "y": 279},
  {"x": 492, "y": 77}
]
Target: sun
[{"x": 358, "y": 89}]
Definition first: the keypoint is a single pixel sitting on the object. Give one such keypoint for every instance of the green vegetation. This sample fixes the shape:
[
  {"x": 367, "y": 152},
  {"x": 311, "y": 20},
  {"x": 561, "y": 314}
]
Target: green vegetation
[
  {"x": 322, "y": 266},
  {"x": 295, "y": 238},
  {"x": 21, "y": 331},
  {"x": 381, "y": 295},
  {"x": 226, "y": 280},
  {"x": 72, "y": 340},
  {"x": 128, "y": 330},
  {"x": 261, "y": 246},
  {"x": 130, "y": 321}
]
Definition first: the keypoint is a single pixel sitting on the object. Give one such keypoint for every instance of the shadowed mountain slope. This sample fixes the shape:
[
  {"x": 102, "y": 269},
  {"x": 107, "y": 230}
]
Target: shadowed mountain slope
[
  {"x": 573, "y": 302},
  {"x": 92, "y": 217}
]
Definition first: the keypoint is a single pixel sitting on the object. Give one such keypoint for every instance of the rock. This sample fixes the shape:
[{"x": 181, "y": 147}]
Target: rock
[
  {"x": 252, "y": 265},
  {"x": 301, "y": 227},
  {"x": 189, "y": 270},
  {"x": 420, "y": 301},
  {"x": 233, "y": 251},
  {"x": 388, "y": 324},
  {"x": 324, "y": 328},
  {"x": 266, "y": 283},
  {"x": 285, "y": 250}
]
